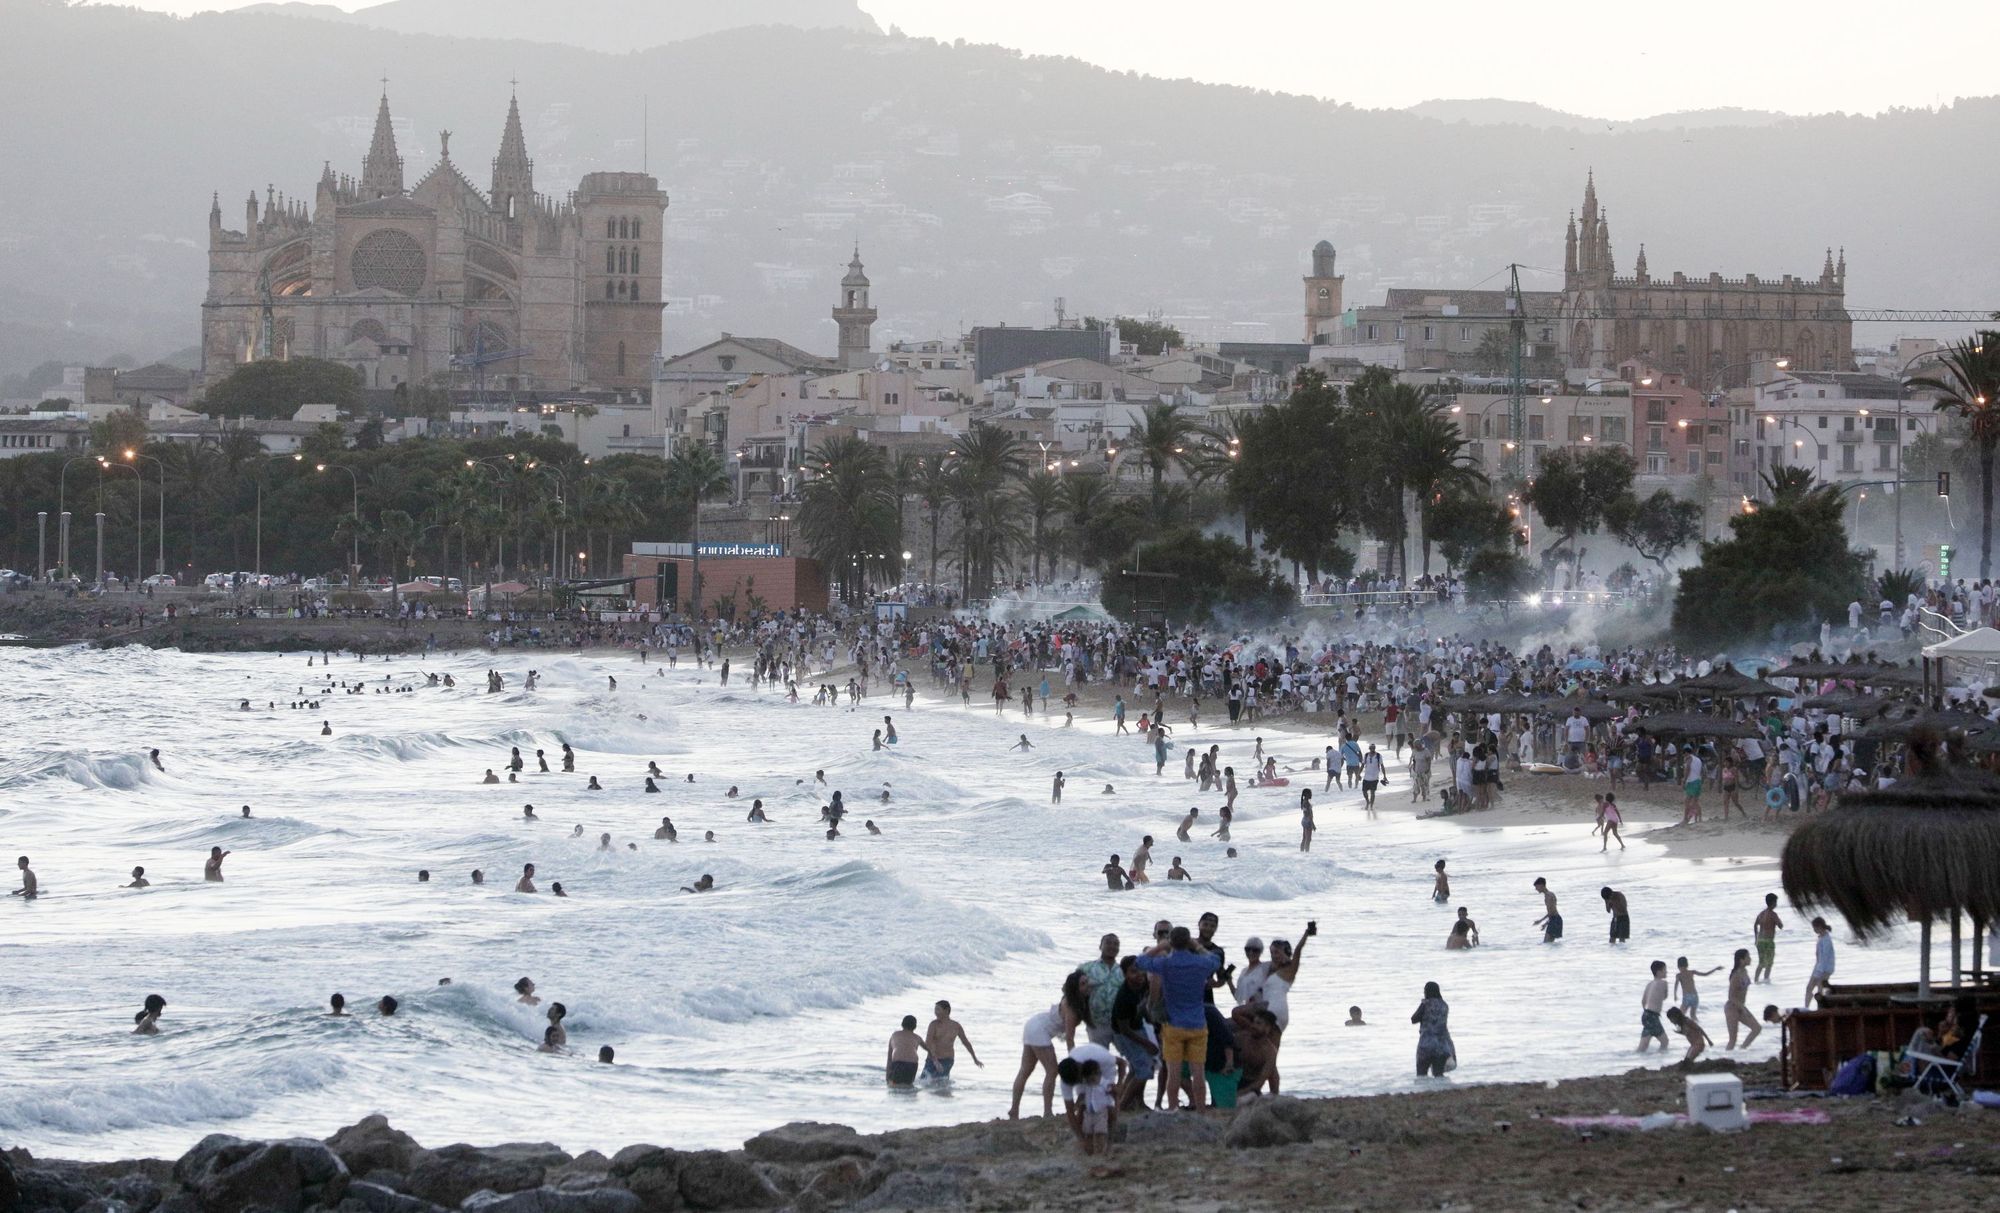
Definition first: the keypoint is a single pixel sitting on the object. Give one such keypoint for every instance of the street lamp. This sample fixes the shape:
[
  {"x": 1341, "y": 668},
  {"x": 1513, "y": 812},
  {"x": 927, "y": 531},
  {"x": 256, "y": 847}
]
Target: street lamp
[
  {"x": 354, "y": 537},
  {"x": 62, "y": 506},
  {"x": 295, "y": 458},
  {"x": 160, "y": 560},
  {"x": 138, "y": 519}
]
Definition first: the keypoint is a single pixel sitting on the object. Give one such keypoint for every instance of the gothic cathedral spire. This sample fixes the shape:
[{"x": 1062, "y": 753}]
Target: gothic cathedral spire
[
  {"x": 382, "y": 168},
  {"x": 513, "y": 172}
]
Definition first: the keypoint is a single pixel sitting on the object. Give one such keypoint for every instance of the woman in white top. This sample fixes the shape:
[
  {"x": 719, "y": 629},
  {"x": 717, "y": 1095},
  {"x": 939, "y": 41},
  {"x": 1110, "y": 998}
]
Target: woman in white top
[
  {"x": 1038, "y": 1041},
  {"x": 1278, "y": 989}
]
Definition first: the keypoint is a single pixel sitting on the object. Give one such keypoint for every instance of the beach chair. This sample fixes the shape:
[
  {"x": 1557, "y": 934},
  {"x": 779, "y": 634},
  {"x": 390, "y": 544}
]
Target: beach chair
[{"x": 1932, "y": 1070}]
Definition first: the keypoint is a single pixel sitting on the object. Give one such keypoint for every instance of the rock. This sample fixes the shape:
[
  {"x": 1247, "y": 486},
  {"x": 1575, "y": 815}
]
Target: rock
[
  {"x": 932, "y": 1188},
  {"x": 449, "y": 1174},
  {"x": 1257, "y": 1127},
  {"x": 370, "y": 1144},
  {"x": 590, "y": 1162},
  {"x": 842, "y": 1180},
  {"x": 10, "y": 1188},
  {"x": 553, "y": 1200},
  {"x": 395, "y": 1181},
  {"x": 229, "y": 1175},
  {"x": 1294, "y": 1112},
  {"x": 380, "y": 1198},
  {"x": 808, "y": 1141},
  {"x": 711, "y": 1179},
  {"x": 1177, "y": 1130},
  {"x": 135, "y": 1192},
  {"x": 38, "y": 1189},
  {"x": 651, "y": 1174}
]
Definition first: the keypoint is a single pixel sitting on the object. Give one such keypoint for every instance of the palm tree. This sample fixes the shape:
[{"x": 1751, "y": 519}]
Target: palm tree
[
  {"x": 1043, "y": 494},
  {"x": 196, "y": 474},
  {"x": 1218, "y": 459},
  {"x": 694, "y": 474},
  {"x": 1419, "y": 448},
  {"x": 934, "y": 485},
  {"x": 989, "y": 459},
  {"x": 1787, "y": 482},
  {"x": 1085, "y": 497},
  {"x": 1968, "y": 384},
  {"x": 1162, "y": 438},
  {"x": 850, "y": 509}
]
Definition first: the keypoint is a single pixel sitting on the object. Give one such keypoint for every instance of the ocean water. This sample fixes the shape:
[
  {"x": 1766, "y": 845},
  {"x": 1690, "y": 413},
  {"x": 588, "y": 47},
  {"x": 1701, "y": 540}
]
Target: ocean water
[{"x": 768, "y": 1000}]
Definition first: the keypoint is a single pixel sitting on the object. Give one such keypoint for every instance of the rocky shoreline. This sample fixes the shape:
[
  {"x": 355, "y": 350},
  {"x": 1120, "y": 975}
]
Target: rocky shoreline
[{"x": 1457, "y": 1147}]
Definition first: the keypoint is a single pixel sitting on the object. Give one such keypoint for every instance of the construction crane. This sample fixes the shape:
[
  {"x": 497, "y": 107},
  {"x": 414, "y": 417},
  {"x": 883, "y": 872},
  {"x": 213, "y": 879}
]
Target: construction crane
[{"x": 478, "y": 358}]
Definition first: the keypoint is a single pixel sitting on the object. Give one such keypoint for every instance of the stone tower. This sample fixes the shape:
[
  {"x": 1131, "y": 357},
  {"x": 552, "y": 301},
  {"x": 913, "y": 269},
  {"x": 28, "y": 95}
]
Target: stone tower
[
  {"x": 382, "y": 168},
  {"x": 513, "y": 172},
  {"x": 1322, "y": 296},
  {"x": 854, "y": 317}
]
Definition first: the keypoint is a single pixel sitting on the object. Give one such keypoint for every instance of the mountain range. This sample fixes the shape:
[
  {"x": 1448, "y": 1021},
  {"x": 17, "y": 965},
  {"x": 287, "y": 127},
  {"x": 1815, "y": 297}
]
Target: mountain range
[
  {"x": 981, "y": 184},
  {"x": 614, "y": 26}
]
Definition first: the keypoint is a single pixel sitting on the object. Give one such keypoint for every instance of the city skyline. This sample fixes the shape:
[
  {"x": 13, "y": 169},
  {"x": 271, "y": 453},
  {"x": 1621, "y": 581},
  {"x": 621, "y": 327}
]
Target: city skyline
[{"x": 1476, "y": 52}]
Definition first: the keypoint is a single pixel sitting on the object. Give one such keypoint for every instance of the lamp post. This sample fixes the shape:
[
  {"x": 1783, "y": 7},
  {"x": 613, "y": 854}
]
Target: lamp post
[
  {"x": 354, "y": 536},
  {"x": 138, "y": 520},
  {"x": 62, "y": 507},
  {"x": 259, "y": 569},
  {"x": 1902, "y": 395},
  {"x": 160, "y": 549},
  {"x": 1797, "y": 443},
  {"x": 1721, "y": 372}
]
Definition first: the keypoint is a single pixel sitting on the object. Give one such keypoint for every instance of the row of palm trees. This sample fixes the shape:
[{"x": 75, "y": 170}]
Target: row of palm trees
[{"x": 1300, "y": 474}]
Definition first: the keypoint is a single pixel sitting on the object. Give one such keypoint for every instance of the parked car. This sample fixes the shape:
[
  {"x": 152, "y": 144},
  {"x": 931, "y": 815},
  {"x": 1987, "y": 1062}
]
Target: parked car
[{"x": 161, "y": 579}]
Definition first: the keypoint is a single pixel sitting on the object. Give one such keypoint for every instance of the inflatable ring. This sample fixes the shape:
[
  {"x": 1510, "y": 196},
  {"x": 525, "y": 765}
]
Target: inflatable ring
[{"x": 1775, "y": 797}]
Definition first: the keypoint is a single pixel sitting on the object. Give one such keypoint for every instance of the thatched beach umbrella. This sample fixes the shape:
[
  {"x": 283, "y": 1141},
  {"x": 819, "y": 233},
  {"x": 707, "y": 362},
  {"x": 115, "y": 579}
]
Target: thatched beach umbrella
[
  {"x": 1809, "y": 669},
  {"x": 1903, "y": 725},
  {"x": 1694, "y": 724},
  {"x": 1885, "y": 676},
  {"x": 1851, "y": 704},
  {"x": 1726, "y": 683},
  {"x": 1925, "y": 848}
]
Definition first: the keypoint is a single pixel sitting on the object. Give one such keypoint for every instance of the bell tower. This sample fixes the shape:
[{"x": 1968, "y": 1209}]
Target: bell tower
[
  {"x": 1322, "y": 296},
  {"x": 854, "y": 316}
]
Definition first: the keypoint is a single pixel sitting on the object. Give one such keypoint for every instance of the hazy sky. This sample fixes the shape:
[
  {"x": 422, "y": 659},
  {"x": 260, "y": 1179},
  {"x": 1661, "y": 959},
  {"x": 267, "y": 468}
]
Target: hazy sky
[{"x": 1607, "y": 58}]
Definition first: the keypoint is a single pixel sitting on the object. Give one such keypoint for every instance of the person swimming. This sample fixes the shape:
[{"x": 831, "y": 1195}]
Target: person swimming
[
  {"x": 653, "y": 769},
  {"x": 139, "y": 880},
  {"x": 478, "y": 877},
  {"x": 526, "y": 989},
  {"x": 593, "y": 785},
  {"x": 211, "y": 871},
  {"x": 556, "y": 889},
  {"x": 872, "y": 827},
  {"x": 147, "y": 1022},
  {"x": 325, "y": 730},
  {"x": 708, "y": 836},
  {"x": 423, "y": 875},
  {"x": 703, "y": 884},
  {"x": 337, "y": 1004},
  {"x": 731, "y": 793},
  {"x": 667, "y": 830},
  {"x": 387, "y": 1005},
  {"x": 246, "y": 810},
  {"x": 569, "y": 759},
  {"x": 490, "y": 777},
  {"x": 757, "y": 812},
  {"x": 604, "y": 842},
  {"x": 527, "y": 882},
  {"x": 650, "y": 785},
  {"x": 160, "y": 767},
  {"x": 528, "y": 813},
  {"x": 577, "y": 830}
]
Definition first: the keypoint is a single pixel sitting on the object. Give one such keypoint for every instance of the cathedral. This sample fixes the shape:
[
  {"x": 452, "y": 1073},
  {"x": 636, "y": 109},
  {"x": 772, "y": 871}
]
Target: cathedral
[
  {"x": 442, "y": 283},
  {"x": 1709, "y": 328}
]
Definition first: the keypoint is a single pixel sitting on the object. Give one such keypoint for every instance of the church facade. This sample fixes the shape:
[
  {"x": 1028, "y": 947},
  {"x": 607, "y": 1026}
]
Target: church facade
[
  {"x": 1709, "y": 328},
  {"x": 441, "y": 283}
]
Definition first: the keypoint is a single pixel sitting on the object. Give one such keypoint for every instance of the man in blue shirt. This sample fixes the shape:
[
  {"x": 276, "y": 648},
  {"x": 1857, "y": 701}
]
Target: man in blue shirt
[{"x": 1184, "y": 974}]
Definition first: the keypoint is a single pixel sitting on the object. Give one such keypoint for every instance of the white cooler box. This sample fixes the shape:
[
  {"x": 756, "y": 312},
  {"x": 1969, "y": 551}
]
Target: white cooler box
[{"x": 1716, "y": 1100}]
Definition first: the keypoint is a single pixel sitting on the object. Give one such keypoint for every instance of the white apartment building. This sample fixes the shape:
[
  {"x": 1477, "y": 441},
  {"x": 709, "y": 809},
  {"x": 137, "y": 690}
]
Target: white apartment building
[{"x": 1844, "y": 426}]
